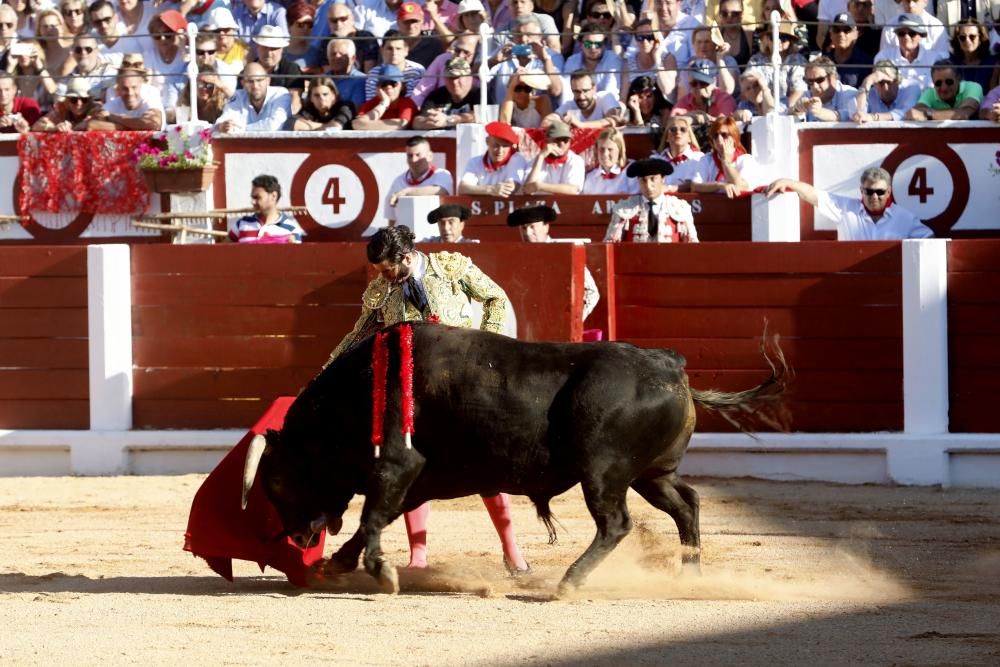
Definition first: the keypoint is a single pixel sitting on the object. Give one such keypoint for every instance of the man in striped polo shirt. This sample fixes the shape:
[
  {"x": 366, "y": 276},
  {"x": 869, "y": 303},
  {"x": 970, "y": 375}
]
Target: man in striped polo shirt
[{"x": 267, "y": 224}]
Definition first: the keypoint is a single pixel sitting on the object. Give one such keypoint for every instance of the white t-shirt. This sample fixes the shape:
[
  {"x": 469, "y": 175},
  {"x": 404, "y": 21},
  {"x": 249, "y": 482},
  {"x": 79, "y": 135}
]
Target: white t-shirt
[
  {"x": 615, "y": 182},
  {"x": 684, "y": 167},
  {"x": 936, "y": 38},
  {"x": 272, "y": 116},
  {"x": 477, "y": 173},
  {"x": 149, "y": 100},
  {"x": 706, "y": 171},
  {"x": 604, "y": 103},
  {"x": 854, "y": 223},
  {"x": 571, "y": 172},
  {"x": 440, "y": 177}
]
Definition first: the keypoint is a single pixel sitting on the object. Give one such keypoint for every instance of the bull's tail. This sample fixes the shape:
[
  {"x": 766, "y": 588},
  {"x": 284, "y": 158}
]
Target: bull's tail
[
  {"x": 763, "y": 404},
  {"x": 546, "y": 517}
]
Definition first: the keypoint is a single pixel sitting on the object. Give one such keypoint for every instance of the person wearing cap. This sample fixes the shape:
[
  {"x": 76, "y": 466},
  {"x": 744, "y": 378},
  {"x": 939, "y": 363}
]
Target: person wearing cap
[
  {"x": 884, "y": 96},
  {"x": 421, "y": 178},
  {"x": 652, "y": 216},
  {"x": 376, "y": 16},
  {"x": 935, "y": 35},
  {"x": 525, "y": 105},
  {"x": 707, "y": 44},
  {"x": 414, "y": 286},
  {"x": 128, "y": 110},
  {"x": 450, "y": 220},
  {"x": 17, "y": 114},
  {"x": 390, "y": 108},
  {"x": 258, "y": 106},
  {"x": 533, "y": 223},
  {"x": 595, "y": 58},
  {"x": 911, "y": 56},
  {"x": 589, "y": 108},
  {"x": 949, "y": 98},
  {"x": 91, "y": 68},
  {"x": 608, "y": 177},
  {"x": 875, "y": 217},
  {"x": 501, "y": 170},
  {"x": 453, "y": 103},
  {"x": 463, "y": 45},
  {"x": 827, "y": 99},
  {"x": 424, "y": 45},
  {"x": 266, "y": 224},
  {"x": 231, "y": 50},
  {"x": 557, "y": 169},
  {"x": 395, "y": 52},
  {"x": 252, "y": 15},
  {"x": 341, "y": 55},
  {"x": 167, "y": 59},
  {"x": 790, "y": 84},
  {"x": 70, "y": 112},
  {"x": 526, "y": 53},
  {"x": 852, "y": 61},
  {"x": 467, "y": 17},
  {"x": 706, "y": 101}
]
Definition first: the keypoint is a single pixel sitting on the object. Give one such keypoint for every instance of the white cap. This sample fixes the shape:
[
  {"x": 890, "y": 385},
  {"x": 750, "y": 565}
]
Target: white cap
[
  {"x": 272, "y": 37},
  {"x": 221, "y": 18},
  {"x": 470, "y": 6}
]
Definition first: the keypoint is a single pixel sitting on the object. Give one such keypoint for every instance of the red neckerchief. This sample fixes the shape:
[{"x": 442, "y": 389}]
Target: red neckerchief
[
  {"x": 610, "y": 175},
  {"x": 676, "y": 160},
  {"x": 412, "y": 181},
  {"x": 888, "y": 202},
  {"x": 557, "y": 161},
  {"x": 721, "y": 175},
  {"x": 490, "y": 168}
]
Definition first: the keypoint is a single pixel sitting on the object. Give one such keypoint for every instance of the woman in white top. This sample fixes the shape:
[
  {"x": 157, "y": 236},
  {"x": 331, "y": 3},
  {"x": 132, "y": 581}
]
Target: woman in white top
[
  {"x": 644, "y": 59},
  {"x": 523, "y": 106},
  {"x": 728, "y": 169},
  {"x": 608, "y": 177},
  {"x": 680, "y": 148}
]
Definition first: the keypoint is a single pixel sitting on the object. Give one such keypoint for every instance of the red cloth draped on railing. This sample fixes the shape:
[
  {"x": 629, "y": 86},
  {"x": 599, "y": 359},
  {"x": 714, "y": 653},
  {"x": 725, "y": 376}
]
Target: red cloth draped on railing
[
  {"x": 583, "y": 140},
  {"x": 81, "y": 171}
]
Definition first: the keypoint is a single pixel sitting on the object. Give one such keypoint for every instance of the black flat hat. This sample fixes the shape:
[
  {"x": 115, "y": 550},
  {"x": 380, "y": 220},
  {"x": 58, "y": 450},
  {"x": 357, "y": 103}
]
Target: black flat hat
[
  {"x": 530, "y": 214},
  {"x": 649, "y": 167},
  {"x": 449, "y": 211}
]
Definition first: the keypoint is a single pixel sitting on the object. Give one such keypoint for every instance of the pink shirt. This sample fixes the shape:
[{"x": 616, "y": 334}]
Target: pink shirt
[{"x": 722, "y": 104}]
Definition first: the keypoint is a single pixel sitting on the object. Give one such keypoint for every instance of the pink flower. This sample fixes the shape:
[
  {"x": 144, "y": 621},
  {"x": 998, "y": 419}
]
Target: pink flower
[{"x": 189, "y": 155}]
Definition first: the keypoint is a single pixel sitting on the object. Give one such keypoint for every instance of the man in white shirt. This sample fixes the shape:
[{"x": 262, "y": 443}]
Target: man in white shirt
[
  {"x": 603, "y": 64},
  {"x": 588, "y": 108},
  {"x": 166, "y": 59},
  {"x": 421, "y": 177},
  {"x": 110, "y": 32},
  {"x": 910, "y": 55},
  {"x": 937, "y": 35},
  {"x": 826, "y": 99},
  {"x": 875, "y": 217},
  {"x": 128, "y": 110},
  {"x": 675, "y": 27},
  {"x": 394, "y": 50},
  {"x": 259, "y": 107},
  {"x": 883, "y": 95},
  {"x": 375, "y": 16},
  {"x": 526, "y": 53},
  {"x": 557, "y": 170},
  {"x": 501, "y": 170}
]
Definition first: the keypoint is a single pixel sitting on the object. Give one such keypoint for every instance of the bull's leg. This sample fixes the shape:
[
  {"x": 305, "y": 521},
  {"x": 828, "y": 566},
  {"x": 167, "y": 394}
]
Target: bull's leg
[
  {"x": 345, "y": 559},
  {"x": 613, "y": 522},
  {"x": 383, "y": 505},
  {"x": 671, "y": 494}
]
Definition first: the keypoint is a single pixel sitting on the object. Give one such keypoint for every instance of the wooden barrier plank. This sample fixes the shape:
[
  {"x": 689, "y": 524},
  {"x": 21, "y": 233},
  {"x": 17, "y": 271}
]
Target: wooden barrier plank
[
  {"x": 826, "y": 322},
  {"x": 974, "y": 352},
  {"x": 974, "y": 287},
  {"x": 817, "y": 258},
  {"x": 44, "y": 414},
  {"x": 973, "y": 255},
  {"x": 43, "y": 322},
  {"x": 810, "y": 385},
  {"x": 43, "y": 292},
  {"x": 293, "y": 288},
  {"x": 758, "y": 290},
  {"x": 234, "y": 352},
  {"x": 43, "y": 353},
  {"x": 43, "y": 383},
  {"x": 215, "y": 383},
  {"x": 973, "y": 319},
  {"x": 969, "y": 416},
  {"x": 198, "y": 414},
  {"x": 51, "y": 261},
  {"x": 335, "y": 260},
  {"x": 221, "y": 320}
]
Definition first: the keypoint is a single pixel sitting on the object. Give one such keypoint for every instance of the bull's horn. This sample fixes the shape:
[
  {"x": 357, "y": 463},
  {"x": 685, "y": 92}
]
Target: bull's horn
[{"x": 254, "y": 452}]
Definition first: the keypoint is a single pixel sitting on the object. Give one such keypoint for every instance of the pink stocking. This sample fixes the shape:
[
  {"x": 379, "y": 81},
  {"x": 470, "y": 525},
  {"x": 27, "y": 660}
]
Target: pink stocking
[
  {"x": 416, "y": 531},
  {"x": 499, "y": 508}
]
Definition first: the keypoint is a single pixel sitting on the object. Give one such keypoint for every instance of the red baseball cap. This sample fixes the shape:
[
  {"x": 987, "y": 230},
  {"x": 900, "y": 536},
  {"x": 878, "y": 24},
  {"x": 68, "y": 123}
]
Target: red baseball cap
[
  {"x": 409, "y": 11},
  {"x": 502, "y": 131},
  {"x": 172, "y": 19}
]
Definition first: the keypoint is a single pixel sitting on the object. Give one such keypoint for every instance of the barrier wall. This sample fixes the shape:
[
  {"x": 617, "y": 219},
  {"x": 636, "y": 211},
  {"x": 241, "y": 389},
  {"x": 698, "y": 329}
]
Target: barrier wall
[{"x": 43, "y": 338}]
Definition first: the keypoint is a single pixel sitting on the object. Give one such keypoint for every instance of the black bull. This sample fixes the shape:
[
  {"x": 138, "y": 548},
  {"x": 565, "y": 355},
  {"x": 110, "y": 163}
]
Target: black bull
[{"x": 492, "y": 415}]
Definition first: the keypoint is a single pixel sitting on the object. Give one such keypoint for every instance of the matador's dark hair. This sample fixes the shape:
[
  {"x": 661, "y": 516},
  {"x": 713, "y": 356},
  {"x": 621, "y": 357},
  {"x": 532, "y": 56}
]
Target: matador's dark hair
[{"x": 390, "y": 244}]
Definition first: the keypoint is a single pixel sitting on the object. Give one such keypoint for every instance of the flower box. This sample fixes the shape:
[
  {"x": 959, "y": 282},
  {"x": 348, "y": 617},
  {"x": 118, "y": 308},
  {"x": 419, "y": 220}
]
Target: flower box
[{"x": 170, "y": 180}]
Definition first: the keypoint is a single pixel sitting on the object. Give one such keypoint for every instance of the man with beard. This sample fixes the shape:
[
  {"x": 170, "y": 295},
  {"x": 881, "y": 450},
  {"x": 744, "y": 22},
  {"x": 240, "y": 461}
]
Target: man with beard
[
  {"x": 706, "y": 101},
  {"x": 601, "y": 62},
  {"x": 128, "y": 110},
  {"x": 453, "y": 103},
  {"x": 421, "y": 177},
  {"x": 501, "y": 170},
  {"x": 258, "y": 107},
  {"x": 267, "y": 224},
  {"x": 589, "y": 108}
]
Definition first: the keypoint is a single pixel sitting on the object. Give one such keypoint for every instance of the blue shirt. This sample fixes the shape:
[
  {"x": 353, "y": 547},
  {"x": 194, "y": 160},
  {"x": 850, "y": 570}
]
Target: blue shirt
[
  {"x": 351, "y": 88},
  {"x": 270, "y": 14}
]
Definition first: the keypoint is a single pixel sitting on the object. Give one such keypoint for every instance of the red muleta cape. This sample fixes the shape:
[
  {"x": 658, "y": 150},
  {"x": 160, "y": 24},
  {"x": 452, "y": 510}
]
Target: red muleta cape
[{"x": 219, "y": 530}]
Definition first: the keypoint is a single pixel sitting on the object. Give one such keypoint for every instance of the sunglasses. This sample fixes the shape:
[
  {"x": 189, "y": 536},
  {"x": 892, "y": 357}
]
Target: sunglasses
[
  {"x": 875, "y": 192},
  {"x": 969, "y": 38},
  {"x": 77, "y": 100},
  {"x": 944, "y": 82},
  {"x": 560, "y": 140},
  {"x": 907, "y": 33},
  {"x": 207, "y": 87},
  {"x": 160, "y": 36},
  {"x": 817, "y": 80},
  {"x": 72, "y": 12},
  {"x": 601, "y": 15},
  {"x": 731, "y": 15},
  {"x": 306, "y": 23},
  {"x": 645, "y": 37},
  {"x": 785, "y": 38},
  {"x": 590, "y": 44},
  {"x": 460, "y": 52},
  {"x": 132, "y": 64},
  {"x": 677, "y": 129},
  {"x": 205, "y": 52},
  {"x": 102, "y": 20},
  {"x": 339, "y": 19},
  {"x": 83, "y": 49},
  {"x": 522, "y": 89}
]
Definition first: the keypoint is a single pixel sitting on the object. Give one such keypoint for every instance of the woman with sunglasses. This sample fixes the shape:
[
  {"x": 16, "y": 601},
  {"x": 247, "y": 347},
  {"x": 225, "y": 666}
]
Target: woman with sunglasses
[
  {"x": 970, "y": 47},
  {"x": 74, "y": 14},
  {"x": 302, "y": 50},
  {"x": 645, "y": 104},
  {"x": 525, "y": 105},
  {"x": 734, "y": 31},
  {"x": 679, "y": 146},
  {"x": 56, "y": 42},
  {"x": 211, "y": 97},
  {"x": 72, "y": 112},
  {"x": 644, "y": 59},
  {"x": 729, "y": 169}
]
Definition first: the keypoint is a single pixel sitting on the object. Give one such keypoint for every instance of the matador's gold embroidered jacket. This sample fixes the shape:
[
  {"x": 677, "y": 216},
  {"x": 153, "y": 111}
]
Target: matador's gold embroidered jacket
[{"x": 450, "y": 280}]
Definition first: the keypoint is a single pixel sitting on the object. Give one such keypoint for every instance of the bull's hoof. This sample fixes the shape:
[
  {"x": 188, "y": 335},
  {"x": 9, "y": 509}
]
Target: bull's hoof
[
  {"x": 334, "y": 566},
  {"x": 691, "y": 568},
  {"x": 565, "y": 590},
  {"x": 388, "y": 578}
]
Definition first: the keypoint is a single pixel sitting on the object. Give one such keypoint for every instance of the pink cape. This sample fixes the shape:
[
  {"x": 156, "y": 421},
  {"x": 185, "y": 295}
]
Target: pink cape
[{"x": 219, "y": 530}]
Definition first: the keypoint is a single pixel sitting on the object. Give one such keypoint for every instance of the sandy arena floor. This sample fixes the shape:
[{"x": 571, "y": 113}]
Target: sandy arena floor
[{"x": 92, "y": 573}]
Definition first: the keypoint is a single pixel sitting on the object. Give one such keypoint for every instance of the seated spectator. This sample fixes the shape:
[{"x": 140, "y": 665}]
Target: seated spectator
[
  {"x": 90, "y": 68},
  {"x": 614, "y": 19},
  {"x": 340, "y": 24},
  {"x": 733, "y": 26},
  {"x": 910, "y": 56},
  {"x": 232, "y": 51},
  {"x": 210, "y": 97},
  {"x": 707, "y": 45},
  {"x": 680, "y": 148},
  {"x": 608, "y": 177},
  {"x": 589, "y": 108},
  {"x": 675, "y": 28},
  {"x": 652, "y": 216},
  {"x": 128, "y": 110},
  {"x": 113, "y": 41},
  {"x": 56, "y": 42},
  {"x": 646, "y": 105},
  {"x": 424, "y": 46},
  {"x": 258, "y": 106},
  {"x": 269, "y": 45},
  {"x": 252, "y": 15},
  {"x": 601, "y": 63},
  {"x": 990, "y": 108},
  {"x": 827, "y": 99},
  {"x": 755, "y": 98},
  {"x": 533, "y": 223},
  {"x": 869, "y": 34},
  {"x": 788, "y": 16},
  {"x": 705, "y": 102},
  {"x": 421, "y": 177},
  {"x": 395, "y": 50},
  {"x": 450, "y": 220},
  {"x": 644, "y": 59},
  {"x": 452, "y": 104},
  {"x": 309, "y": 56},
  {"x": 17, "y": 114},
  {"x": 790, "y": 84},
  {"x": 728, "y": 169},
  {"x": 852, "y": 61},
  {"x": 267, "y": 224},
  {"x": 340, "y": 54},
  {"x": 72, "y": 112},
  {"x": 390, "y": 109},
  {"x": 935, "y": 35},
  {"x": 950, "y": 98},
  {"x": 324, "y": 110},
  {"x": 884, "y": 96},
  {"x": 876, "y": 217},
  {"x": 971, "y": 53},
  {"x": 166, "y": 60},
  {"x": 27, "y": 64},
  {"x": 526, "y": 53},
  {"x": 521, "y": 10},
  {"x": 463, "y": 45},
  {"x": 206, "y": 49},
  {"x": 525, "y": 105},
  {"x": 501, "y": 170},
  {"x": 557, "y": 169},
  {"x": 74, "y": 13}
]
